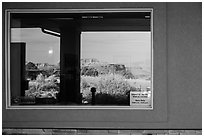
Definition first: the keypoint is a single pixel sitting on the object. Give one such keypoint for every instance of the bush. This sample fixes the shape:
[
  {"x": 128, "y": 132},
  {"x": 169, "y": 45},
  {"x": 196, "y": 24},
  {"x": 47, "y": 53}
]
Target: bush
[
  {"x": 113, "y": 84},
  {"x": 111, "y": 89},
  {"x": 42, "y": 87}
]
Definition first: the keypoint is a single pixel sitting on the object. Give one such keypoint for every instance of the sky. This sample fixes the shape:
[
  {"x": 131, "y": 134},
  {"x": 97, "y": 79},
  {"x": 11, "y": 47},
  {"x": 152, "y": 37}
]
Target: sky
[
  {"x": 40, "y": 47},
  {"x": 117, "y": 47},
  {"x": 112, "y": 47}
]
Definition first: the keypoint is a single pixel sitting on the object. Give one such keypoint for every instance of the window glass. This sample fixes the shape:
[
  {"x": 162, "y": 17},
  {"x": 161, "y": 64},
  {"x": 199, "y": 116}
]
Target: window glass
[
  {"x": 116, "y": 64},
  {"x": 41, "y": 66},
  {"x": 86, "y": 59}
]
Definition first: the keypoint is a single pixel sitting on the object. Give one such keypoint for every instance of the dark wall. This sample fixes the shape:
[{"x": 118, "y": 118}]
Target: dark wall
[{"x": 184, "y": 45}]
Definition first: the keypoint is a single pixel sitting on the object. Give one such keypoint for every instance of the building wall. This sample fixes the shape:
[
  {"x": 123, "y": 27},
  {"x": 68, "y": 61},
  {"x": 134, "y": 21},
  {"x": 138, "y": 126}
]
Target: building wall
[
  {"x": 184, "y": 45},
  {"x": 184, "y": 67}
]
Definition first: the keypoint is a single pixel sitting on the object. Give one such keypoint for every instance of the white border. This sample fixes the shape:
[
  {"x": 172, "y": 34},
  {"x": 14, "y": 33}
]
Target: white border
[{"x": 7, "y": 55}]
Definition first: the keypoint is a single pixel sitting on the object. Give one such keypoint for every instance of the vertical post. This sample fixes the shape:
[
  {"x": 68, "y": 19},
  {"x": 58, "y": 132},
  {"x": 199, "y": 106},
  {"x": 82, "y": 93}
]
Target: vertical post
[
  {"x": 69, "y": 63},
  {"x": 93, "y": 91}
]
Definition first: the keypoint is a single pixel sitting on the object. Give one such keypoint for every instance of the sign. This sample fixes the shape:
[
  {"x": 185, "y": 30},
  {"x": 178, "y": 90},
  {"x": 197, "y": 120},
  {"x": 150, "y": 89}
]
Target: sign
[{"x": 140, "y": 98}]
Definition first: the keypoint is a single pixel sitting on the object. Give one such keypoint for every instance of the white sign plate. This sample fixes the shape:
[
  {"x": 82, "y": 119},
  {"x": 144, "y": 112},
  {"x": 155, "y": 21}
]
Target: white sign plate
[{"x": 140, "y": 98}]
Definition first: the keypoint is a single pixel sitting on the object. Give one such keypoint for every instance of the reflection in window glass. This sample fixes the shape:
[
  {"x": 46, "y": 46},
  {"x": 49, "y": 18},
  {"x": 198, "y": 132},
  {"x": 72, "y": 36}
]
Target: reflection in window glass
[
  {"x": 118, "y": 66},
  {"x": 42, "y": 69},
  {"x": 71, "y": 60}
]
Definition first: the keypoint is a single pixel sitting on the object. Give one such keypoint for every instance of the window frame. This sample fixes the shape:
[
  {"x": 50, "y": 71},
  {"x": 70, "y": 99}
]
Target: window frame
[{"x": 68, "y": 11}]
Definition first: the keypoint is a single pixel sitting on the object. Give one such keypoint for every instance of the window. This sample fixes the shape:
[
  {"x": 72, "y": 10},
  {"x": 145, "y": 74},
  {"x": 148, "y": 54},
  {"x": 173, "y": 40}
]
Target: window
[
  {"x": 118, "y": 65},
  {"x": 80, "y": 59}
]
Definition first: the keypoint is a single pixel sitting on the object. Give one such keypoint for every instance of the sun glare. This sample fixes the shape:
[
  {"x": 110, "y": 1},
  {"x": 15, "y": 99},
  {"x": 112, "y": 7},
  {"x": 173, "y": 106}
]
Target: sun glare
[{"x": 50, "y": 51}]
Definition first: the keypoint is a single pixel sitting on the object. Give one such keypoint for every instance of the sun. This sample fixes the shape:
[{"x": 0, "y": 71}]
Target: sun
[{"x": 50, "y": 51}]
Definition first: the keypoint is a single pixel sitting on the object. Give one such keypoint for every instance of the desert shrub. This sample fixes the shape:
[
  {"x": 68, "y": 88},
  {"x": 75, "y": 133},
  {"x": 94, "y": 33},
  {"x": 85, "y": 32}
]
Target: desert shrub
[
  {"x": 50, "y": 86},
  {"x": 128, "y": 74},
  {"x": 42, "y": 86},
  {"x": 113, "y": 84},
  {"x": 84, "y": 83},
  {"x": 111, "y": 89},
  {"x": 40, "y": 78},
  {"x": 89, "y": 81}
]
